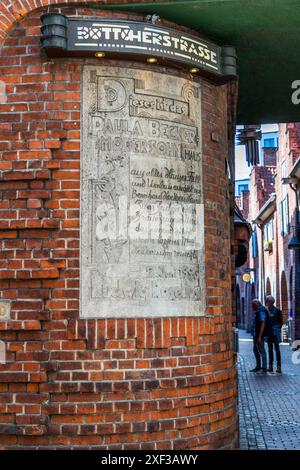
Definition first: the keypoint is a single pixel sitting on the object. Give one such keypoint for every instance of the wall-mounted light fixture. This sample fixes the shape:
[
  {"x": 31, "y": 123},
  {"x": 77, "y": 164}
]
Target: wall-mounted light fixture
[
  {"x": 100, "y": 55},
  {"x": 151, "y": 60}
]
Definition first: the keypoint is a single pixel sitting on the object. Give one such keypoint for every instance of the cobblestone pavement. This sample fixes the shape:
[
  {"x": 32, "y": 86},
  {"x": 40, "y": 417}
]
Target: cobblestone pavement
[{"x": 269, "y": 405}]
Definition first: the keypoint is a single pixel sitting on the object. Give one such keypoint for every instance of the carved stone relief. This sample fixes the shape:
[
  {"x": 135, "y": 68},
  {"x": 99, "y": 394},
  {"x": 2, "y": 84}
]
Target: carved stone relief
[{"x": 142, "y": 232}]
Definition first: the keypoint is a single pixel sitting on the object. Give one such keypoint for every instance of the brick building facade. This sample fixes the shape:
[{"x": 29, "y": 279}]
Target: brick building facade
[
  {"x": 69, "y": 382},
  {"x": 270, "y": 206}
]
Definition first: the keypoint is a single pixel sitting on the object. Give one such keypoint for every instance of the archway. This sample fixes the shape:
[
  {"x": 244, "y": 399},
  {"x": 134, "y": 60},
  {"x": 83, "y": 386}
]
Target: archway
[
  {"x": 284, "y": 298},
  {"x": 278, "y": 294},
  {"x": 249, "y": 313},
  {"x": 253, "y": 293},
  {"x": 238, "y": 306},
  {"x": 268, "y": 287},
  {"x": 291, "y": 291}
]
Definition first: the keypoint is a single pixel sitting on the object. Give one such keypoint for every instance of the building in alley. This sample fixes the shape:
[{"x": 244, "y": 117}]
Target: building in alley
[{"x": 271, "y": 206}]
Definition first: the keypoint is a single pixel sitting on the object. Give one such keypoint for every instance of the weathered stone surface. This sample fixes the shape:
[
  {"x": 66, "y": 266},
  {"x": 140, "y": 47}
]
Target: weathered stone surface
[
  {"x": 141, "y": 195},
  {"x": 4, "y": 310}
]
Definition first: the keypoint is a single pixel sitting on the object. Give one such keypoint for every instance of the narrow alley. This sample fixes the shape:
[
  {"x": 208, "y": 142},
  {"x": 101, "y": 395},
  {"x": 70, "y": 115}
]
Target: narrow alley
[{"x": 268, "y": 404}]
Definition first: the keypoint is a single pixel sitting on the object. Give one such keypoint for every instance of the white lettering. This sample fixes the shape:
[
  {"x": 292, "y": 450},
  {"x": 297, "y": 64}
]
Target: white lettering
[
  {"x": 147, "y": 37},
  {"x": 117, "y": 32},
  {"x": 166, "y": 41},
  {"x": 296, "y": 353},
  {"x": 131, "y": 36},
  {"x": 106, "y": 30},
  {"x": 296, "y": 94},
  {"x": 213, "y": 56}
]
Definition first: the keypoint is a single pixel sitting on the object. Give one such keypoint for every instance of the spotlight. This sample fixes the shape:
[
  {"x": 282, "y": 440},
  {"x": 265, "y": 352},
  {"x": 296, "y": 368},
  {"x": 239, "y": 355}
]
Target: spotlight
[
  {"x": 151, "y": 60},
  {"x": 99, "y": 55},
  {"x": 194, "y": 70}
]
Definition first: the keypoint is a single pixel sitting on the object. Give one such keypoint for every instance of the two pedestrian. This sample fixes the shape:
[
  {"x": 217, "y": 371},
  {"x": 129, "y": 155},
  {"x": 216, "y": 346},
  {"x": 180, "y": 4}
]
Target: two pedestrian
[{"x": 267, "y": 325}]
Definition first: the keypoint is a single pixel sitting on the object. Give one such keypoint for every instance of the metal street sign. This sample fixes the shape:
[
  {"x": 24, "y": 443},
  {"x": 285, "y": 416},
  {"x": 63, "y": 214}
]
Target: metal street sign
[
  {"x": 246, "y": 278},
  {"x": 143, "y": 38},
  {"x": 70, "y": 36}
]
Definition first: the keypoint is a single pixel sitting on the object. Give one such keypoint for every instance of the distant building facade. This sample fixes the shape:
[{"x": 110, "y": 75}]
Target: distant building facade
[{"x": 241, "y": 185}]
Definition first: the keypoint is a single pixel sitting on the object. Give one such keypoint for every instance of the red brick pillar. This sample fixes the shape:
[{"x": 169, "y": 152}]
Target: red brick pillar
[{"x": 106, "y": 383}]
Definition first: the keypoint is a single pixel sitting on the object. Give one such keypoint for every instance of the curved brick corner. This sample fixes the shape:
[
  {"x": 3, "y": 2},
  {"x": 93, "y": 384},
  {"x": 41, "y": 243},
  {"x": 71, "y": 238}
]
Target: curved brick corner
[
  {"x": 126, "y": 383},
  {"x": 12, "y": 11}
]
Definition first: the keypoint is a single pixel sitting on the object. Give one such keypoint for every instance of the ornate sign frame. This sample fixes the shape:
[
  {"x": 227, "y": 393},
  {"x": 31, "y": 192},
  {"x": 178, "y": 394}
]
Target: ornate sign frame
[{"x": 62, "y": 36}]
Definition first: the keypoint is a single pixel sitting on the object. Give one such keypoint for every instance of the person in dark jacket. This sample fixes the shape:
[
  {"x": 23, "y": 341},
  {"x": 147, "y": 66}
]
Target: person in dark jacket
[
  {"x": 274, "y": 339},
  {"x": 258, "y": 333}
]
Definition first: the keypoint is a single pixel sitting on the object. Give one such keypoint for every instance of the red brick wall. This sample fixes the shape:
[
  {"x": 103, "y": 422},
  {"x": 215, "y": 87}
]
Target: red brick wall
[
  {"x": 125, "y": 383},
  {"x": 270, "y": 155}
]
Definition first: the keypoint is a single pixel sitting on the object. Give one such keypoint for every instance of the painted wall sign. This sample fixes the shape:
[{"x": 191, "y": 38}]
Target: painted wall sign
[{"x": 113, "y": 36}]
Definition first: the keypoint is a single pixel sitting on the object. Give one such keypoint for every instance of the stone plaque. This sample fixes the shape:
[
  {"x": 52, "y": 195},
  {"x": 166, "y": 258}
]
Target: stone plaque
[{"x": 142, "y": 220}]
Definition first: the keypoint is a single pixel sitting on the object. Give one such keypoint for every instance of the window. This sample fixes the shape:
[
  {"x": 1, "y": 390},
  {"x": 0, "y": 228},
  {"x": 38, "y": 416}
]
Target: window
[
  {"x": 284, "y": 216},
  {"x": 254, "y": 244},
  {"x": 269, "y": 231},
  {"x": 283, "y": 172},
  {"x": 270, "y": 143},
  {"x": 242, "y": 187}
]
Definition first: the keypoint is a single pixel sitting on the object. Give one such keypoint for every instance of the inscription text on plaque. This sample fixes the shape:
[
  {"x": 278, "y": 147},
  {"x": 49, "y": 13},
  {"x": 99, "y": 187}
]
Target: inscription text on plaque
[{"x": 142, "y": 220}]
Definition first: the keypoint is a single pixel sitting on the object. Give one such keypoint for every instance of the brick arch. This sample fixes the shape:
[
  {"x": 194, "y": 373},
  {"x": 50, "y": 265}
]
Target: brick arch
[
  {"x": 268, "y": 287},
  {"x": 13, "y": 11},
  {"x": 284, "y": 297},
  {"x": 238, "y": 305},
  {"x": 291, "y": 284}
]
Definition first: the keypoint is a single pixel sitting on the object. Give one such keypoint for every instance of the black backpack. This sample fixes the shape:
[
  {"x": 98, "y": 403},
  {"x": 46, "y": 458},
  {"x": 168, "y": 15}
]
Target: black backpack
[{"x": 268, "y": 331}]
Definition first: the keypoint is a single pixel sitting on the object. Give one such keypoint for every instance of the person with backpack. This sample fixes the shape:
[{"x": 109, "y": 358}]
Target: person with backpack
[
  {"x": 259, "y": 332},
  {"x": 275, "y": 338}
]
